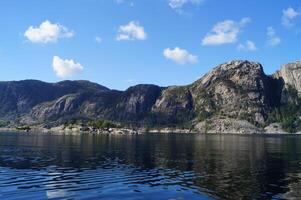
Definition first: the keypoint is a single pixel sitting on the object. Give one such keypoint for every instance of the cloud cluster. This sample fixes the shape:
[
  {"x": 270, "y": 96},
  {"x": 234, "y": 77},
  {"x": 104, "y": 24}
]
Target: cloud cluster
[
  {"x": 180, "y": 56},
  {"x": 177, "y": 5},
  {"x": 131, "y": 31},
  {"x": 225, "y": 32},
  {"x": 248, "y": 46},
  {"x": 98, "y": 39},
  {"x": 124, "y": 1},
  {"x": 288, "y": 16},
  {"x": 272, "y": 37},
  {"x": 47, "y": 32},
  {"x": 66, "y": 68}
]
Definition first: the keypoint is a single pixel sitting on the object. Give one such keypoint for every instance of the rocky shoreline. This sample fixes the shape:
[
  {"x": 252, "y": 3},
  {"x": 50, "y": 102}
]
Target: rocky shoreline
[
  {"x": 113, "y": 131},
  {"x": 224, "y": 126}
]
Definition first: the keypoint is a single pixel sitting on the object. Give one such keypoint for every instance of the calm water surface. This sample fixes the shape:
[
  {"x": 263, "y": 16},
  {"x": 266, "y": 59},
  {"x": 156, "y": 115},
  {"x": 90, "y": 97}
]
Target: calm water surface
[{"x": 40, "y": 166}]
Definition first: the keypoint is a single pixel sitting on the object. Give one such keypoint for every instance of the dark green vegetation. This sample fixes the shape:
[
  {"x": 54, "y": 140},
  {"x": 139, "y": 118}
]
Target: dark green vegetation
[
  {"x": 235, "y": 90},
  {"x": 288, "y": 113},
  {"x": 23, "y": 128},
  {"x": 96, "y": 124},
  {"x": 102, "y": 124},
  {"x": 3, "y": 123}
]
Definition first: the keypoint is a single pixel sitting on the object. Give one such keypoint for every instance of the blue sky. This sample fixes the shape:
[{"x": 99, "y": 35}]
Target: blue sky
[{"x": 164, "y": 42}]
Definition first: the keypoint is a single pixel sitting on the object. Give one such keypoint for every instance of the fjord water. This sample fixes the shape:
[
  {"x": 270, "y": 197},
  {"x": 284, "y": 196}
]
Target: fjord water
[{"x": 151, "y": 166}]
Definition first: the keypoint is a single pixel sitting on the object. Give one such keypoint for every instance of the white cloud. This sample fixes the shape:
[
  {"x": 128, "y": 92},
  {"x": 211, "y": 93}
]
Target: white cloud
[
  {"x": 177, "y": 5},
  {"x": 98, "y": 39},
  {"x": 66, "y": 68},
  {"x": 119, "y": 1},
  {"x": 180, "y": 56},
  {"x": 130, "y": 81},
  {"x": 125, "y": 1},
  {"x": 225, "y": 32},
  {"x": 288, "y": 17},
  {"x": 248, "y": 46},
  {"x": 131, "y": 31},
  {"x": 47, "y": 32},
  {"x": 272, "y": 38}
]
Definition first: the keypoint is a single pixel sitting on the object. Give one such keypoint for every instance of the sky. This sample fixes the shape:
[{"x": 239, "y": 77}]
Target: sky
[{"x": 121, "y": 43}]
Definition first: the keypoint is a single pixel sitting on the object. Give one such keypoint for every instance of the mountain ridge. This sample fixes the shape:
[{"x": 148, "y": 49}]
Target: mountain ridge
[{"x": 236, "y": 91}]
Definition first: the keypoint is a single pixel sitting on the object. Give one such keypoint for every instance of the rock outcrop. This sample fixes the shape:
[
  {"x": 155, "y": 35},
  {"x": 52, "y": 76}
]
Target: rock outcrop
[
  {"x": 239, "y": 90},
  {"x": 275, "y": 128},
  {"x": 227, "y": 125},
  {"x": 291, "y": 75}
]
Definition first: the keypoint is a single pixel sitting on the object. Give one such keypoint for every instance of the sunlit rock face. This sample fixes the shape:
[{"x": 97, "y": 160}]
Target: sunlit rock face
[
  {"x": 239, "y": 89},
  {"x": 19, "y": 97},
  {"x": 291, "y": 75}
]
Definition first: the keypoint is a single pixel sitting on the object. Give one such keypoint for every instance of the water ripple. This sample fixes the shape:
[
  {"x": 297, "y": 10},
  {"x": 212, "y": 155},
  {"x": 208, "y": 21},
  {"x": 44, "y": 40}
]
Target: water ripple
[
  {"x": 149, "y": 167},
  {"x": 67, "y": 183}
]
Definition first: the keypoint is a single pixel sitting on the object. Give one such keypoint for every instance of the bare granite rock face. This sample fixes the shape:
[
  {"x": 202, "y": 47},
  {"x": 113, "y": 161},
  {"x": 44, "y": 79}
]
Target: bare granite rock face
[
  {"x": 291, "y": 75},
  {"x": 129, "y": 106},
  {"x": 138, "y": 100},
  {"x": 175, "y": 104},
  {"x": 227, "y": 126},
  {"x": 62, "y": 106},
  {"x": 274, "y": 128},
  {"x": 238, "y": 90},
  {"x": 19, "y": 97}
]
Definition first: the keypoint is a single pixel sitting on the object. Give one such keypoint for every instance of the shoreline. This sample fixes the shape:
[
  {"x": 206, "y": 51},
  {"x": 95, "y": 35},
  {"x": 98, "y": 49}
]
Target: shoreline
[{"x": 127, "y": 131}]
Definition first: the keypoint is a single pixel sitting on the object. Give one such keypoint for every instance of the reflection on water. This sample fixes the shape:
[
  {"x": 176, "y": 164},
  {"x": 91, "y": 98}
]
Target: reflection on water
[{"x": 149, "y": 167}]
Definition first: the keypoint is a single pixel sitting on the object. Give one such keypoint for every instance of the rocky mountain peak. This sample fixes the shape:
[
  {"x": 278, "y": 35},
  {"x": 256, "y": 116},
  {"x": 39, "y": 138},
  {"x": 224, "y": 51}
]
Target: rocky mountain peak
[
  {"x": 236, "y": 64},
  {"x": 80, "y": 85},
  {"x": 291, "y": 75},
  {"x": 241, "y": 72}
]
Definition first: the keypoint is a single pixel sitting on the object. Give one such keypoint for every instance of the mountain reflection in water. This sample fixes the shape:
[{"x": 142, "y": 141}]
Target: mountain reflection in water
[{"x": 151, "y": 166}]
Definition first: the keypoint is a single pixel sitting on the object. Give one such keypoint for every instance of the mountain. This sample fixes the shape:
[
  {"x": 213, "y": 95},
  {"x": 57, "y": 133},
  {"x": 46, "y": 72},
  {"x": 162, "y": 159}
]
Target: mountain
[
  {"x": 234, "y": 97},
  {"x": 19, "y": 97}
]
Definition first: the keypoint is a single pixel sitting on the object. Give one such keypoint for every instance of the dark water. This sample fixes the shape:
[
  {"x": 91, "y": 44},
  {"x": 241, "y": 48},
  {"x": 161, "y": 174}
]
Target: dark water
[{"x": 149, "y": 167}]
